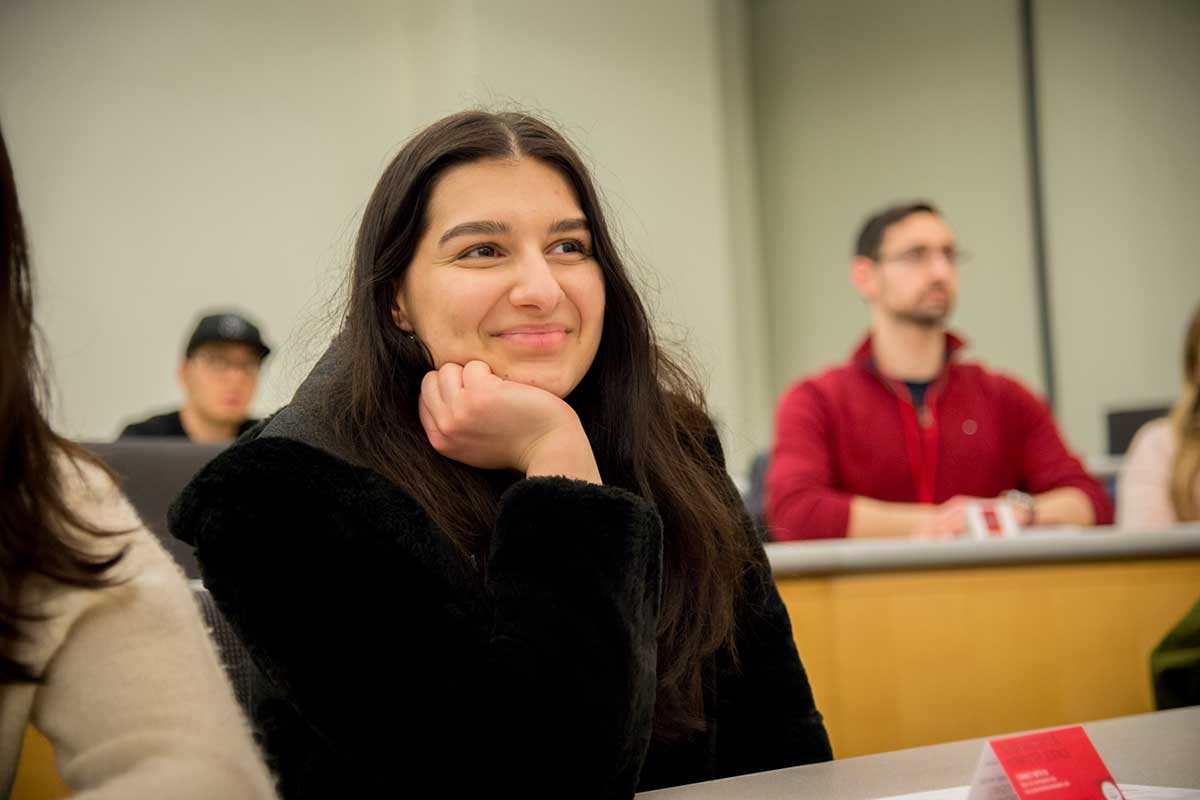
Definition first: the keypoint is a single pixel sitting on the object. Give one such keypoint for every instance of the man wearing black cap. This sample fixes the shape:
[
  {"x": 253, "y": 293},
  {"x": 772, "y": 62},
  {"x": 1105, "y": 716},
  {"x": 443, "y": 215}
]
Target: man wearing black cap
[{"x": 218, "y": 373}]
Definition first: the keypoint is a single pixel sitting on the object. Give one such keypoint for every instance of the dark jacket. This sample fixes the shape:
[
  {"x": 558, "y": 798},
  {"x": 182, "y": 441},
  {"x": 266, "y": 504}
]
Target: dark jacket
[
  {"x": 395, "y": 665},
  {"x": 168, "y": 425}
]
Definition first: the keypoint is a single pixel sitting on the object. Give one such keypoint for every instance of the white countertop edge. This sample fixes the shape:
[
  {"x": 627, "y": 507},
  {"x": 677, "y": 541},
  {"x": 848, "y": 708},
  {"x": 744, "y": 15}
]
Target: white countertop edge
[{"x": 1036, "y": 545}]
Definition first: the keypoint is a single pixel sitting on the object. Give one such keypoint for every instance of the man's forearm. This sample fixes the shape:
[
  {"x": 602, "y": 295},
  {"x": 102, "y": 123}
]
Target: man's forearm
[
  {"x": 876, "y": 519},
  {"x": 1065, "y": 506}
]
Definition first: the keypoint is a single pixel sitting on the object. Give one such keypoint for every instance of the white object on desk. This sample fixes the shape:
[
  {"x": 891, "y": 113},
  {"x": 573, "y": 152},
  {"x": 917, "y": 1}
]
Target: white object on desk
[{"x": 985, "y": 520}]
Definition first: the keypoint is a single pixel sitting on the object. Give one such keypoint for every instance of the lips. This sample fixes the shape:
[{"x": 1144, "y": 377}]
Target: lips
[{"x": 535, "y": 337}]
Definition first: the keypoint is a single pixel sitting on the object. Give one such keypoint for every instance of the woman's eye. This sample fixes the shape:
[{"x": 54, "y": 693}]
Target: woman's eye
[
  {"x": 482, "y": 251},
  {"x": 569, "y": 247}
]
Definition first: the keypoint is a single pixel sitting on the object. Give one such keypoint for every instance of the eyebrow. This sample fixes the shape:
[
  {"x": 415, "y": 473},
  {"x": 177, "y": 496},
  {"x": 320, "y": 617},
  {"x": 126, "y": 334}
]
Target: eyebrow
[
  {"x": 490, "y": 227},
  {"x": 485, "y": 227},
  {"x": 569, "y": 225}
]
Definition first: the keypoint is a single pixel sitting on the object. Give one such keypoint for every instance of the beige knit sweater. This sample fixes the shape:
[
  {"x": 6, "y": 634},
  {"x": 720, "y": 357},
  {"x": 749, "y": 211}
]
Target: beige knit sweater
[{"x": 134, "y": 700}]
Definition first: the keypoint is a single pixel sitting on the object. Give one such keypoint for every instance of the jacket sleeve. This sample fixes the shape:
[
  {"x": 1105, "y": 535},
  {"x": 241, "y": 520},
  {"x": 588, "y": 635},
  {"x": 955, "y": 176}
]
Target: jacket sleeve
[
  {"x": 134, "y": 699},
  {"x": 405, "y": 663},
  {"x": 1046, "y": 463},
  {"x": 766, "y": 716},
  {"x": 801, "y": 500}
]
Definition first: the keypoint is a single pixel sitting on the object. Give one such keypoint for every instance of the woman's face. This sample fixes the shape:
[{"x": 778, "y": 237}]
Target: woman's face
[{"x": 505, "y": 275}]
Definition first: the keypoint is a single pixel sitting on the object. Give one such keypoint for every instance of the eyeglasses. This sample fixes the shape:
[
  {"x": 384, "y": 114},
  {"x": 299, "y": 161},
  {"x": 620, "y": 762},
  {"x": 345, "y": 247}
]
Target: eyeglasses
[
  {"x": 219, "y": 363},
  {"x": 923, "y": 256}
]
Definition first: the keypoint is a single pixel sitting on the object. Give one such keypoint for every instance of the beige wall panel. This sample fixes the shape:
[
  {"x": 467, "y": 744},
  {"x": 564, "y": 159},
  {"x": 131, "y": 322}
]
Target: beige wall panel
[
  {"x": 174, "y": 156},
  {"x": 1120, "y": 100},
  {"x": 861, "y": 103}
]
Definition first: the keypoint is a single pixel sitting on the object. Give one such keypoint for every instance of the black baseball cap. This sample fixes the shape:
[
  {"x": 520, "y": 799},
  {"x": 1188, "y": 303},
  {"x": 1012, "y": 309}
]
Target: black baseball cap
[{"x": 227, "y": 327}]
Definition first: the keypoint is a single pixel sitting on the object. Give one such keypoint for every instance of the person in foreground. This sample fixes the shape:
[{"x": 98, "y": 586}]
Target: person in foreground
[
  {"x": 101, "y": 644},
  {"x": 900, "y": 440},
  {"x": 490, "y": 544},
  {"x": 1159, "y": 483}
]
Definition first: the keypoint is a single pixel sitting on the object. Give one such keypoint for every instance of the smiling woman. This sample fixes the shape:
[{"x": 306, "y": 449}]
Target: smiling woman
[
  {"x": 491, "y": 541},
  {"x": 516, "y": 285}
]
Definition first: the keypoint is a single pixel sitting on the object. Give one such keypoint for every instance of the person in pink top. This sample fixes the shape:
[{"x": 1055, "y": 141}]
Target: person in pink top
[
  {"x": 898, "y": 441},
  {"x": 1159, "y": 483}
]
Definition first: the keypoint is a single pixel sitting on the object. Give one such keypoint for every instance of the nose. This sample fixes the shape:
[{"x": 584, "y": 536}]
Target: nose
[
  {"x": 233, "y": 379},
  {"x": 941, "y": 265},
  {"x": 535, "y": 285}
]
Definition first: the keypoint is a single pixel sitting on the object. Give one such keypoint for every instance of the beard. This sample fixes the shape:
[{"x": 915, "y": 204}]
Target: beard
[
  {"x": 925, "y": 313},
  {"x": 923, "y": 318}
]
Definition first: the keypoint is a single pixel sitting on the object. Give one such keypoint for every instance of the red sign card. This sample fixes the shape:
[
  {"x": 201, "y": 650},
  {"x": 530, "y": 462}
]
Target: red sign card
[{"x": 1054, "y": 765}]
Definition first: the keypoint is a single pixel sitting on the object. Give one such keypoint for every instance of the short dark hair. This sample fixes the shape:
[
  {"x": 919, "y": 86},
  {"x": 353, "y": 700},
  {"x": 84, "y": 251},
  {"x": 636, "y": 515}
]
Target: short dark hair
[{"x": 873, "y": 229}]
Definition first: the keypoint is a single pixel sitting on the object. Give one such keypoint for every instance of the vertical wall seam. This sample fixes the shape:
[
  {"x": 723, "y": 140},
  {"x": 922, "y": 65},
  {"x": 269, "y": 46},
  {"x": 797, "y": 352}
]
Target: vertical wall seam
[{"x": 1036, "y": 199}]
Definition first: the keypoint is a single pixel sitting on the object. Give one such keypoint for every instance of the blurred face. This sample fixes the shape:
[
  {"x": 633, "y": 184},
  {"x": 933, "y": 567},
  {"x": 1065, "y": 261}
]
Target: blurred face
[
  {"x": 504, "y": 274},
  {"x": 915, "y": 278},
  {"x": 219, "y": 381}
]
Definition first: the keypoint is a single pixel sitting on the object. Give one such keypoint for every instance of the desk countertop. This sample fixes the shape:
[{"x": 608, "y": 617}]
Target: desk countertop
[
  {"x": 1035, "y": 546},
  {"x": 1161, "y": 749}
]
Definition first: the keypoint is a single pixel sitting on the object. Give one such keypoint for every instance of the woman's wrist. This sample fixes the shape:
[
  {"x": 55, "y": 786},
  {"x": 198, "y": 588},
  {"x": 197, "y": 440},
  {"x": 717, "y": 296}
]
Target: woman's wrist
[{"x": 564, "y": 452}]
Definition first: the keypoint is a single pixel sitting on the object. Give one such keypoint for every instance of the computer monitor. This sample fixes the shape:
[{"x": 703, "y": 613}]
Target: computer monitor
[
  {"x": 152, "y": 472},
  {"x": 1123, "y": 424}
]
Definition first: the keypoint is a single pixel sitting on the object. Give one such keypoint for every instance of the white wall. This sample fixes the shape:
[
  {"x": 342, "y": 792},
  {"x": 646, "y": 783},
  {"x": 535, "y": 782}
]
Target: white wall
[
  {"x": 1120, "y": 92},
  {"x": 173, "y": 156},
  {"x": 750, "y": 288}
]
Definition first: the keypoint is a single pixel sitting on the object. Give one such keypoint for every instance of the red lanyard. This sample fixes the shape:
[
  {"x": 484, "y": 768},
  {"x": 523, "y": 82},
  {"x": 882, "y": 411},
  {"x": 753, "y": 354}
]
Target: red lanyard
[{"x": 920, "y": 439}]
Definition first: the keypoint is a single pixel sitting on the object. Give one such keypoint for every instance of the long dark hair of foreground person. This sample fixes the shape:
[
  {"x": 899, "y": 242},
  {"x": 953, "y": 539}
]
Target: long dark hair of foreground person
[
  {"x": 1185, "y": 419},
  {"x": 643, "y": 414},
  {"x": 33, "y": 511}
]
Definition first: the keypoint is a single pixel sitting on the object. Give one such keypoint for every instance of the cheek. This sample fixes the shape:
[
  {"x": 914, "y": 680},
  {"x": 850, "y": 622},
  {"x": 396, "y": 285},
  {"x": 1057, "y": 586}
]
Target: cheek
[
  {"x": 586, "y": 292},
  {"x": 453, "y": 314},
  {"x": 206, "y": 390}
]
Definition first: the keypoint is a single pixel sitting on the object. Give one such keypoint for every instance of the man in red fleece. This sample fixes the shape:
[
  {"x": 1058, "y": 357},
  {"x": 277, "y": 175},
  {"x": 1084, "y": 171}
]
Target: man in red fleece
[{"x": 899, "y": 440}]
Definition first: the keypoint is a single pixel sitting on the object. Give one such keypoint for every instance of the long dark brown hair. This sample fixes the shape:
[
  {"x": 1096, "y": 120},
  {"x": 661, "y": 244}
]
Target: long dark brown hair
[
  {"x": 34, "y": 513},
  {"x": 1185, "y": 419},
  {"x": 643, "y": 413}
]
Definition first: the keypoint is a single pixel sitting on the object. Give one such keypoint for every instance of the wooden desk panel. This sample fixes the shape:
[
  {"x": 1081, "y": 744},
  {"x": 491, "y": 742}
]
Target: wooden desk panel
[
  {"x": 908, "y": 659},
  {"x": 37, "y": 777}
]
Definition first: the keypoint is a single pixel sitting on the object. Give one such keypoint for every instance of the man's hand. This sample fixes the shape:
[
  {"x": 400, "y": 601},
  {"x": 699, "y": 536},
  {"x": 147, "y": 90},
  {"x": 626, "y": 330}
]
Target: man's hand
[{"x": 947, "y": 520}]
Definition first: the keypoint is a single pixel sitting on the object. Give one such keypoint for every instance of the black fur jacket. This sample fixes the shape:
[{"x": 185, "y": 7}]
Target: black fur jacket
[{"x": 393, "y": 666}]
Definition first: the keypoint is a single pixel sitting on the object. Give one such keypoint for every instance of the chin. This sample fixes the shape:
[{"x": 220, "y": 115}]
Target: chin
[
  {"x": 555, "y": 384},
  {"x": 926, "y": 315}
]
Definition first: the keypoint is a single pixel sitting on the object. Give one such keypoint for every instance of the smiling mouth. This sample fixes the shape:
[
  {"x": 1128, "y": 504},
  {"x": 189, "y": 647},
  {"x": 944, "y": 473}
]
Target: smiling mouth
[{"x": 535, "y": 339}]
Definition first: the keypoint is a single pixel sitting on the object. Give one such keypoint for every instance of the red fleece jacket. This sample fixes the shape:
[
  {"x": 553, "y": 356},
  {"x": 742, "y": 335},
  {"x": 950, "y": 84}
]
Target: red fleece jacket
[{"x": 850, "y": 431}]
